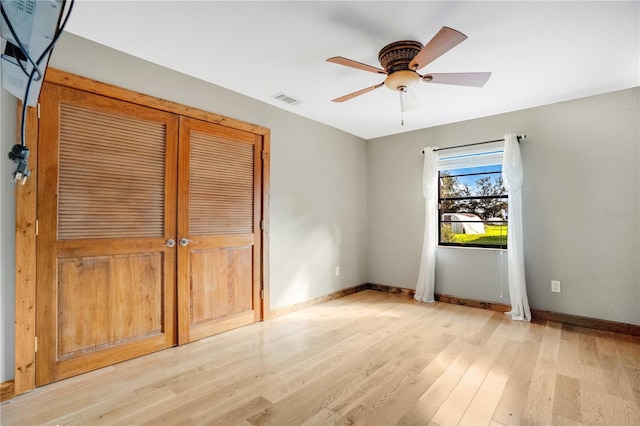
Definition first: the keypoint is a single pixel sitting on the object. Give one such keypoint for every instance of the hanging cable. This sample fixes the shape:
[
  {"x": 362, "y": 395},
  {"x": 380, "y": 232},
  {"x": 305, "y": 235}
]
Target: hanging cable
[{"x": 20, "y": 152}]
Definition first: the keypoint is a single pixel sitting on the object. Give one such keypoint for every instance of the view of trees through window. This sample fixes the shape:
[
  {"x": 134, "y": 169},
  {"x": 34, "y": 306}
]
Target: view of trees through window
[{"x": 472, "y": 206}]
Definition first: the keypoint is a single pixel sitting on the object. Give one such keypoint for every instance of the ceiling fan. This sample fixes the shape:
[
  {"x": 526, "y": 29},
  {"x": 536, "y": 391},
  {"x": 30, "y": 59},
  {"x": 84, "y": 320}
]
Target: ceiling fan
[{"x": 401, "y": 61}]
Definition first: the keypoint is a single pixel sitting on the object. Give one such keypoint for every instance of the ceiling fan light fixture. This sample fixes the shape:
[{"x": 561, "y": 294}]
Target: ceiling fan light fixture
[
  {"x": 408, "y": 100},
  {"x": 402, "y": 79},
  {"x": 401, "y": 61}
]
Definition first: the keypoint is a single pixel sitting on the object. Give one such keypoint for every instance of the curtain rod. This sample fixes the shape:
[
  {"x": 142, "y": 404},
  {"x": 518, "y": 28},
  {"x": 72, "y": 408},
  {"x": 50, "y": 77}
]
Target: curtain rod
[{"x": 520, "y": 137}]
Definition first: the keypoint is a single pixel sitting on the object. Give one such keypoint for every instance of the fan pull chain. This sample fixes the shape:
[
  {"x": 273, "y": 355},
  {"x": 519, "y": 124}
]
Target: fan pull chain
[{"x": 401, "y": 90}]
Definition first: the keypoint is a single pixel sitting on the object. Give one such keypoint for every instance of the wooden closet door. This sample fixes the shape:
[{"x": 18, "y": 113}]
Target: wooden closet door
[
  {"x": 219, "y": 255},
  {"x": 106, "y": 208}
]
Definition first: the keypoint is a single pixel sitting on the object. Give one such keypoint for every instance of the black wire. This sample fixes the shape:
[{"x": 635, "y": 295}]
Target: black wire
[
  {"x": 23, "y": 119},
  {"x": 20, "y": 45}
]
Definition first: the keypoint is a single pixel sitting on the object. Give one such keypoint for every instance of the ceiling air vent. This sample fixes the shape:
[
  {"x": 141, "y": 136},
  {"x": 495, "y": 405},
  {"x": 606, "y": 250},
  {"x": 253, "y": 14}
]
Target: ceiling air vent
[{"x": 289, "y": 100}]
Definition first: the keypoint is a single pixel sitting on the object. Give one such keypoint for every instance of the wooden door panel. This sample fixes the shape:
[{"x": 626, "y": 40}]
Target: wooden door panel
[
  {"x": 219, "y": 199},
  {"x": 221, "y": 182},
  {"x": 104, "y": 301},
  {"x": 221, "y": 283},
  {"x": 107, "y": 177},
  {"x": 121, "y": 160}
]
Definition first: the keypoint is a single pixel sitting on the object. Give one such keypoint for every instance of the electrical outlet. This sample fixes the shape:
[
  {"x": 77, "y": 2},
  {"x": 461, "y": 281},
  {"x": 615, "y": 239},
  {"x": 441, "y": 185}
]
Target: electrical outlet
[
  {"x": 337, "y": 271},
  {"x": 556, "y": 286}
]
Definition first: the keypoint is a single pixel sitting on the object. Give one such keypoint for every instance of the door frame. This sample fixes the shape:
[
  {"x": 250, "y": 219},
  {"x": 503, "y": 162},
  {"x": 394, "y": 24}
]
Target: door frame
[{"x": 25, "y": 344}]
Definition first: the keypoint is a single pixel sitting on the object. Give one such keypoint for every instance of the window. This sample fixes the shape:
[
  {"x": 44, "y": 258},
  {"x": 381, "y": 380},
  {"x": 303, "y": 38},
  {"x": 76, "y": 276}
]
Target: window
[{"x": 472, "y": 201}]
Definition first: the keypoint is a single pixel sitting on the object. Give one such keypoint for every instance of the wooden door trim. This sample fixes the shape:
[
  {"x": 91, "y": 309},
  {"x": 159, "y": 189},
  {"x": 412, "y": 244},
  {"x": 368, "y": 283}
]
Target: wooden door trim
[
  {"x": 25, "y": 286},
  {"x": 63, "y": 78},
  {"x": 26, "y": 208},
  {"x": 266, "y": 200}
]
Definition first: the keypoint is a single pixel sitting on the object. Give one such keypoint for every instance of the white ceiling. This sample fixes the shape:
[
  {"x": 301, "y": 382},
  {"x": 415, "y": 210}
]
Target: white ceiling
[{"x": 539, "y": 52}]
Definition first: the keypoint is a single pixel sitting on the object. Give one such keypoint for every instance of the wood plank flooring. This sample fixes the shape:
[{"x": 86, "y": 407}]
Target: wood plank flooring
[{"x": 370, "y": 358}]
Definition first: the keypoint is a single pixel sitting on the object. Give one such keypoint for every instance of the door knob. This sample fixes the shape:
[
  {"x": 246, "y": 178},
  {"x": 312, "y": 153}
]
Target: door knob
[
  {"x": 185, "y": 242},
  {"x": 170, "y": 243}
]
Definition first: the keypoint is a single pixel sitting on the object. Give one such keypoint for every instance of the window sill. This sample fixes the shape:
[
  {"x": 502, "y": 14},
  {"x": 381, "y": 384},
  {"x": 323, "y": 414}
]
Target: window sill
[{"x": 471, "y": 248}]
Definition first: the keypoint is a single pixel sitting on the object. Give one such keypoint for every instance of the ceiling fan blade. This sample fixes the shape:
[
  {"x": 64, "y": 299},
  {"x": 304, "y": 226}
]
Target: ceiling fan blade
[
  {"x": 355, "y": 64},
  {"x": 475, "y": 79},
  {"x": 408, "y": 100},
  {"x": 446, "y": 39},
  {"x": 358, "y": 93}
]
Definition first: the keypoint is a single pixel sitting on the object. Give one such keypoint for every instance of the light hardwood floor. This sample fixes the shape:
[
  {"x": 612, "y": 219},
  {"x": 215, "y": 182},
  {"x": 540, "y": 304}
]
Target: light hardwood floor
[{"x": 370, "y": 358}]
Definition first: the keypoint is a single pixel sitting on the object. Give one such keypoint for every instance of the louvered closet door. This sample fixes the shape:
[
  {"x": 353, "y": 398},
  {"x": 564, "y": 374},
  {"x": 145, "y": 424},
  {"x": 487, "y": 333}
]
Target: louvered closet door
[
  {"x": 219, "y": 195},
  {"x": 106, "y": 207}
]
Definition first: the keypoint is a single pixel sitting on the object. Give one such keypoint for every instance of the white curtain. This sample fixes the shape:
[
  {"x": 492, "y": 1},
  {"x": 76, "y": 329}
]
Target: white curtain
[
  {"x": 427, "y": 275},
  {"x": 512, "y": 175}
]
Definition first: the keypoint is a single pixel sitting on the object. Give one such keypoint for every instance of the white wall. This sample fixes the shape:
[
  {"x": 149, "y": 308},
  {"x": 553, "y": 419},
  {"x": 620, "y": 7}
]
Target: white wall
[
  {"x": 581, "y": 198},
  {"x": 318, "y": 180}
]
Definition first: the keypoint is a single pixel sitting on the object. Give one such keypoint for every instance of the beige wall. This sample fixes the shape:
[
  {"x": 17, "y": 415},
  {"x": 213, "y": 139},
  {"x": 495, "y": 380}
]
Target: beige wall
[
  {"x": 318, "y": 180},
  {"x": 340, "y": 201},
  {"x": 7, "y": 236},
  {"x": 581, "y": 197}
]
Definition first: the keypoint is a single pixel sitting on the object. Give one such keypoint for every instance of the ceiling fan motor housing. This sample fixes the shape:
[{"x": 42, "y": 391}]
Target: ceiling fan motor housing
[
  {"x": 395, "y": 59},
  {"x": 396, "y": 56}
]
